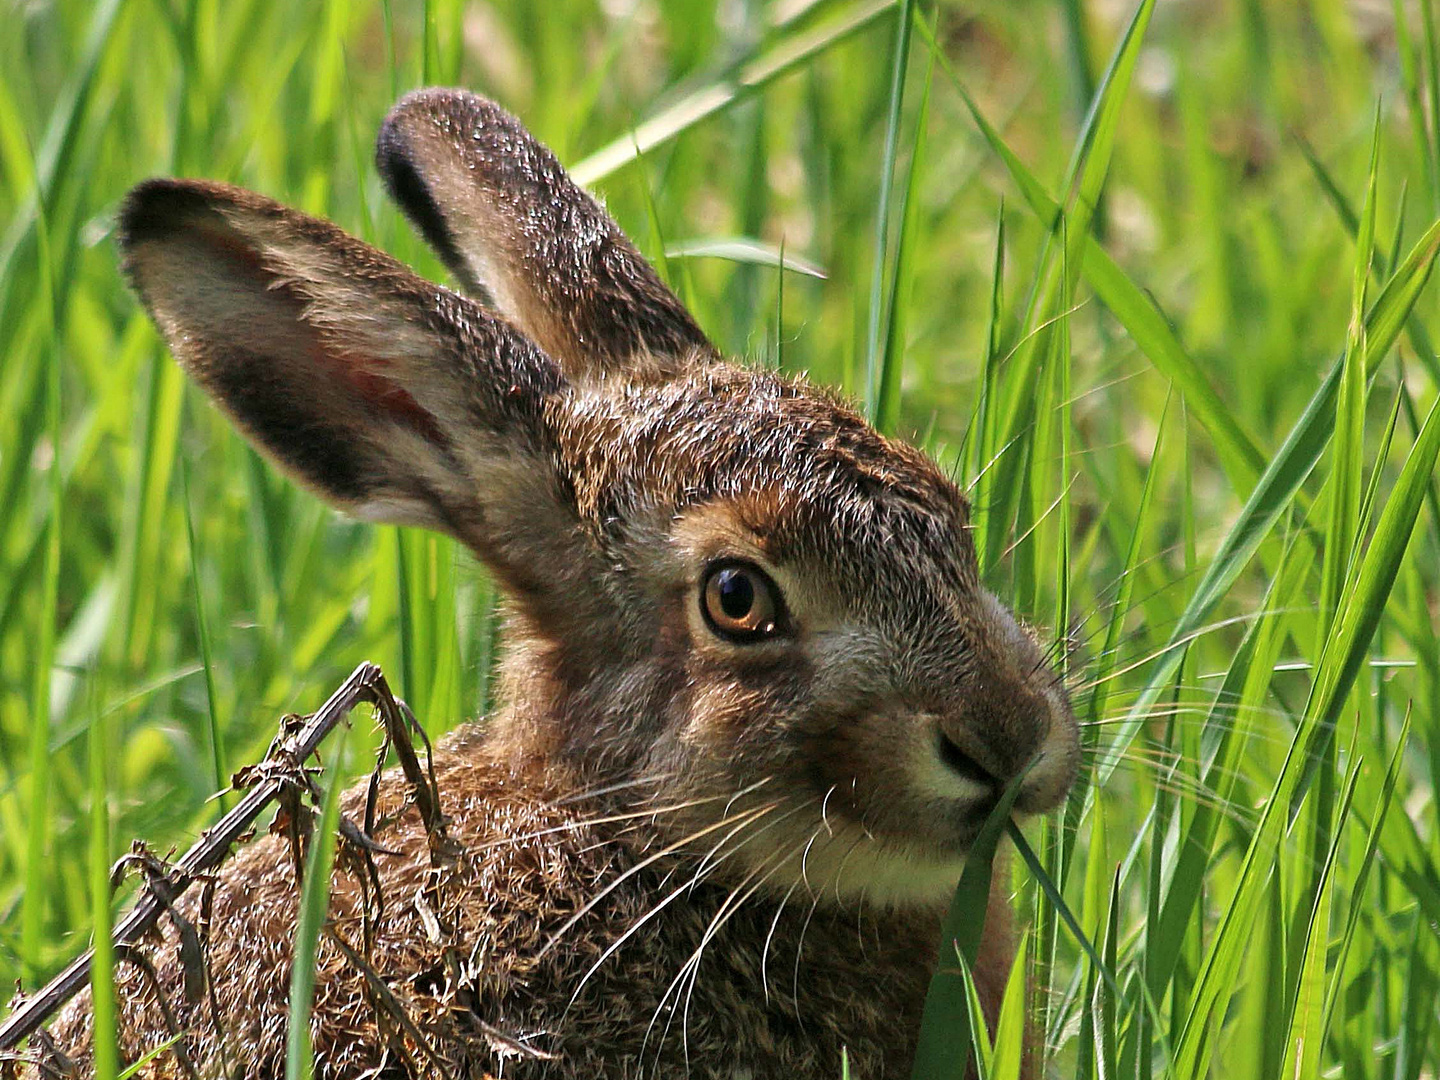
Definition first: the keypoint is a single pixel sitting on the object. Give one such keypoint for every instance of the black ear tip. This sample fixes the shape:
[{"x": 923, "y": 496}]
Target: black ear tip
[
  {"x": 392, "y": 146},
  {"x": 454, "y": 115},
  {"x": 400, "y": 151},
  {"x": 146, "y": 213},
  {"x": 395, "y": 150},
  {"x": 401, "y": 173},
  {"x": 158, "y": 208},
  {"x": 446, "y": 101}
]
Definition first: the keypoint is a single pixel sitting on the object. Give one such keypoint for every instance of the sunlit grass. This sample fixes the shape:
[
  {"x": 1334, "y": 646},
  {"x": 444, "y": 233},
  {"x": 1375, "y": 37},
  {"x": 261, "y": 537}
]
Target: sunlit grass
[{"x": 1153, "y": 284}]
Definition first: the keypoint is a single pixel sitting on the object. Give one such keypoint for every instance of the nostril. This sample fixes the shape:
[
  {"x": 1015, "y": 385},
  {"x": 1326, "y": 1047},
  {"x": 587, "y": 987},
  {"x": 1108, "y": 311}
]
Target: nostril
[{"x": 962, "y": 764}]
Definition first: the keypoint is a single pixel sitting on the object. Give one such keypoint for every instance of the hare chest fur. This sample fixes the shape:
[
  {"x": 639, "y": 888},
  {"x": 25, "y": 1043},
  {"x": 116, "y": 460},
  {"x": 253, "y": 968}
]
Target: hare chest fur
[
  {"x": 757, "y": 703},
  {"x": 543, "y": 945}
]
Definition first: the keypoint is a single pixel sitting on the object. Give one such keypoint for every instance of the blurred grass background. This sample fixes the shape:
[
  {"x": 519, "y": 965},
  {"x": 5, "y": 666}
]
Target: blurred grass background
[{"x": 1257, "y": 872}]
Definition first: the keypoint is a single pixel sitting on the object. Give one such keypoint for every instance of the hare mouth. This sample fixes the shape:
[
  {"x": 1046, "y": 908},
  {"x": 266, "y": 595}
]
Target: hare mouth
[{"x": 963, "y": 765}]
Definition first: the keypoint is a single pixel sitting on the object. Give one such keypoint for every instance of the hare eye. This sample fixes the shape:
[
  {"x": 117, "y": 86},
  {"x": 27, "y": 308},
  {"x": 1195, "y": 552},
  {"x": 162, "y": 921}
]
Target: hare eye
[{"x": 741, "y": 603}]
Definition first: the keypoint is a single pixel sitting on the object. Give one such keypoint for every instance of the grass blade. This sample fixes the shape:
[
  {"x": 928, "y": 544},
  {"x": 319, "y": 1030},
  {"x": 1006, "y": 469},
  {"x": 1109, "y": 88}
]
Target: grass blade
[
  {"x": 888, "y": 371},
  {"x": 1360, "y": 614},
  {"x": 102, "y": 967},
  {"x": 202, "y": 630},
  {"x": 1362, "y": 874},
  {"x": 37, "y": 837},
  {"x": 709, "y": 100},
  {"x": 900, "y": 63},
  {"x": 745, "y": 250},
  {"x": 1278, "y": 486},
  {"x": 1134, "y": 308},
  {"x": 945, "y": 1032},
  {"x": 314, "y": 907}
]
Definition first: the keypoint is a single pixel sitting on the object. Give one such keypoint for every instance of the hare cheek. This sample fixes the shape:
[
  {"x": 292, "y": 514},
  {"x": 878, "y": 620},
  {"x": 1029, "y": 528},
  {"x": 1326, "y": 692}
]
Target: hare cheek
[
  {"x": 858, "y": 765},
  {"x": 737, "y": 717}
]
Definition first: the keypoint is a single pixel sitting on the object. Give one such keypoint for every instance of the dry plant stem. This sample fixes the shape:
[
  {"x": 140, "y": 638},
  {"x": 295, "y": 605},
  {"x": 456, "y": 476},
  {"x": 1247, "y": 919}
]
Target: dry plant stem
[{"x": 366, "y": 684}]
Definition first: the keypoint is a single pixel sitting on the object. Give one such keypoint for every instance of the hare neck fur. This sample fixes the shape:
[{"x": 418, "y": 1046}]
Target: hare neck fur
[{"x": 583, "y": 955}]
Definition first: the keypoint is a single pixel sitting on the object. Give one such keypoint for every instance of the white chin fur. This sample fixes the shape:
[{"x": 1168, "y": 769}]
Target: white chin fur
[{"x": 848, "y": 866}]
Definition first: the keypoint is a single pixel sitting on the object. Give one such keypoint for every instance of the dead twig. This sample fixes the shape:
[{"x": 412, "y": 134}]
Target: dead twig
[
  {"x": 296, "y": 743},
  {"x": 382, "y": 995},
  {"x": 142, "y": 964}
]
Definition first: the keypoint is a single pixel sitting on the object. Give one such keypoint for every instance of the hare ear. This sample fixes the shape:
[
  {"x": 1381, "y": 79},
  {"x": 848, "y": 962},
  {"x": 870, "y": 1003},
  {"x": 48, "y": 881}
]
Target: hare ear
[
  {"x": 514, "y": 228},
  {"x": 393, "y": 397}
]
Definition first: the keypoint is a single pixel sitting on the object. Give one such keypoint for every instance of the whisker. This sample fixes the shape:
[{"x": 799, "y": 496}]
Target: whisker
[
  {"x": 610, "y": 819},
  {"x": 714, "y": 928},
  {"x": 799, "y": 951},
  {"x": 1038, "y": 520},
  {"x": 775, "y": 923},
  {"x": 1198, "y": 794},
  {"x": 669, "y": 849},
  {"x": 674, "y": 894},
  {"x": 610, "y": 788},
  {"x": 825, "y": 803},
  {"x": 691, "y": 964},
  {"x": 1169, "y": 647},
  {"x": 865, "y": 834}
]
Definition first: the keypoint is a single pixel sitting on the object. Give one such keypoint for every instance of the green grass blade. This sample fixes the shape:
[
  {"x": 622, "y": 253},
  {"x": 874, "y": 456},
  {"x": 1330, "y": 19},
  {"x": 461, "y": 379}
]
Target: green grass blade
[
  {"x": 1124, "y": 593},
  {"x": 137, "y": 1067},
  {"x": 102, "y": 966},
  {"x": 1278, "y": 486},
  {"x": 1360, "y": 614},
  {"x": 313, "y": 911},
  {"x": 1010, "y": 1043},
  {"x": 411, "y": 646},
  {"x": 1089, "y": 167},
  {"x": 980, "y": 1045},
  {"x": 57, "y": 148},
  {"x": 1047, "y": 885},
  {"x": 47, "y": 630},
  {"x": 746, "y": 251},
  {"x": 1106, "y": 1026},
  {"x": 1341, "y": 534},
  {"x": 1370, "y": 588},
  {"x": 202, "y": 630},
  {"x": 899, "y": 67},
  {"x": 1134, "y": 307},
  {"x": 1347, "y": 454},
  {"x": 890, "y": 366},
  {"x": 945, "y": 1037},
  {"x": 1382, "y": 455},
  {"x": 714, "y": 98},
  {"x": 1305, "y": 1039},
  {"x": 980, "y": 436},
  {"x": 1225, "y": 740},
  {"x": 1362, "y": 874},
  {"x": 1431, "y": 78}
]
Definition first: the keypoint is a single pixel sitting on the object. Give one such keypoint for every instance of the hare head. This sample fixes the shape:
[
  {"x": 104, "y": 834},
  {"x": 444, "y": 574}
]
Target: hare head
[{"x": 725, "y": 585}]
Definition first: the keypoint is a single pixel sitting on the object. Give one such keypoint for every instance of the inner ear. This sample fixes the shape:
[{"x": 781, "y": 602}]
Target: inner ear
[{"x": 245, "y": 326}]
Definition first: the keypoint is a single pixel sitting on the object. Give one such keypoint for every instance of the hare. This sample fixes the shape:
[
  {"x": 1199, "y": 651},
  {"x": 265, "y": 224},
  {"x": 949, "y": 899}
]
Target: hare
[{"x": 757, "y": 703}]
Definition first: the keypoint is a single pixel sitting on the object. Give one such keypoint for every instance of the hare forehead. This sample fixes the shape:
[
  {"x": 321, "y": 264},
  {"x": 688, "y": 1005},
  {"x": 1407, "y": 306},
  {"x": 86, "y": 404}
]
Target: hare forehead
[{"x": 791, "y": 455}]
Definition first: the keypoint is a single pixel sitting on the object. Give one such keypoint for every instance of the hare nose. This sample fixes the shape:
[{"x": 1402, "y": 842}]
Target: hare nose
[{"x": 995, "y": 733}]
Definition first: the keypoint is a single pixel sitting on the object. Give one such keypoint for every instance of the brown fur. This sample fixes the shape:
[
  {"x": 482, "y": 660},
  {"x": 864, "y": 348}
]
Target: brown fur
[
  {"x": 793, "y": 809},
  {"x": 530, "y": 863}
]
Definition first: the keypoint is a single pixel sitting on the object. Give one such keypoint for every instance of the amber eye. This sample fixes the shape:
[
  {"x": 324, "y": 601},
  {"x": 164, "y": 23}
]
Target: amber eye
[{"x": 741, "y": 603}]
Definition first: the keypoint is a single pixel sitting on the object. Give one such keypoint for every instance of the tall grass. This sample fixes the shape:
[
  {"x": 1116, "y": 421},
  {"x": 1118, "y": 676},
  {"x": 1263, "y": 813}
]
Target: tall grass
[{"x": 1153, "y": 282}]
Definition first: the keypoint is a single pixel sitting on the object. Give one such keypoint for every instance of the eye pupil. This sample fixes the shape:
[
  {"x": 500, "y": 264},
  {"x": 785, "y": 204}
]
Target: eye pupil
[
  {"x": 741, "y": 604},
  {"x": 737, "y": 593}
]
